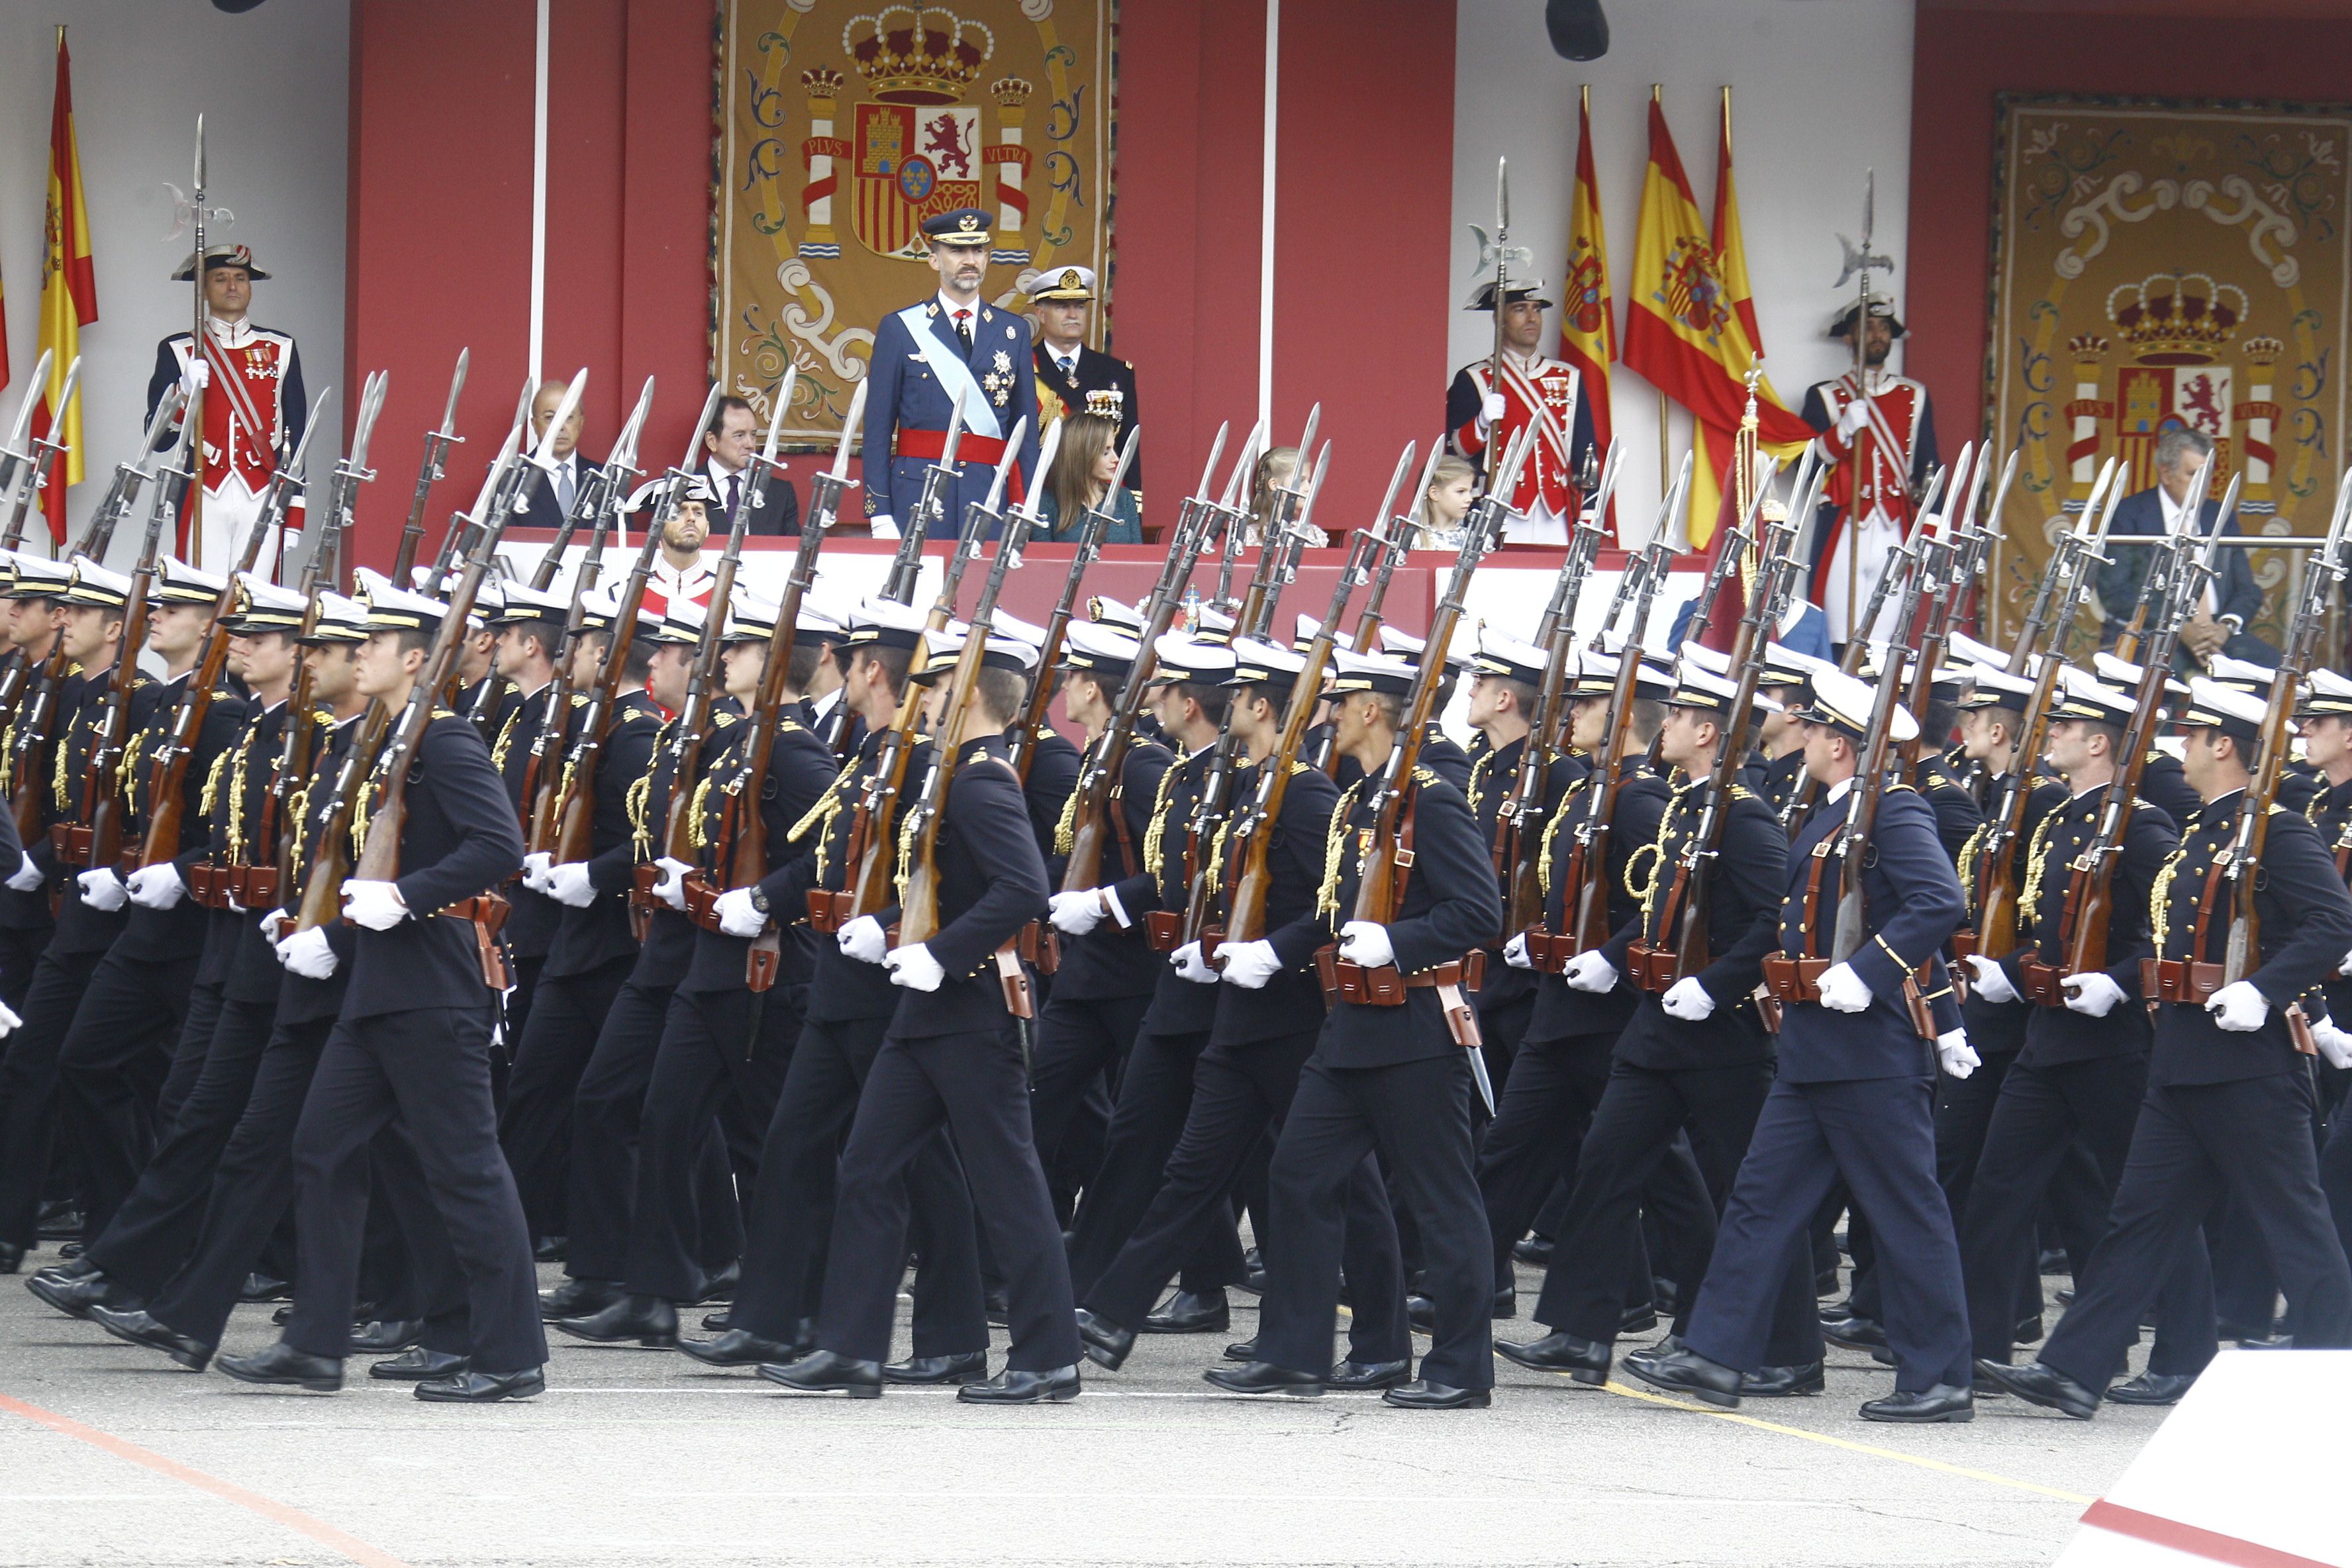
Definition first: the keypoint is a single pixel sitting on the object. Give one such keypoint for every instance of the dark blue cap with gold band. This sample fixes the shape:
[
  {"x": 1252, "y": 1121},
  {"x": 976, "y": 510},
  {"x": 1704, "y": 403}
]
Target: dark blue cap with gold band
[
  {"x": 1100, "y": 650},
  {"x": 392, "y": 608},
  {"x": 91, "y": 584},
  {"x": 1703, "y": 690},
  {"x": 1499, "y": 654},
  {"x": 942, "y": 649},
  {"x": 263, "y": 606},
  {"x": 599, "y": 609},
  {"x": 177, "y": 583},
  {"x": 754, "y": 619},
  {"x": 1596, "y": 676},
  {"x": 1842, "y": 702},
  {"x": 1197, "y": 661},
  {"x": 681, "y": 624},
  {"x": 885, "y": 623},
  {"x": 1354, "y": 673},
  {"x": 340, "y": 621},
  {"x": 520, "y": 604},
  {"x": 964, "y": 226},
  {"x": 2088, "y": 698},
  {"x": 1260, "y": 663},
  {"x": 2328, "y": 695},
  {"x": 1991, "y": 687},
  {"x": 2214, "y": 706},
  {"x": 37, "y": 578}
]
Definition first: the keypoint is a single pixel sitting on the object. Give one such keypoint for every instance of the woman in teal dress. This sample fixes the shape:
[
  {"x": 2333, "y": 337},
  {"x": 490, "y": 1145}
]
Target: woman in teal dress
[{"x": 1083, "y": 467}]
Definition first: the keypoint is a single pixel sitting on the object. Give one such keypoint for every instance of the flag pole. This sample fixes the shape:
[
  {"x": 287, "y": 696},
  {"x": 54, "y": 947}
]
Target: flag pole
[
  {"x": 1666, "y": 466},
  {"x": 196, "y": 344}
]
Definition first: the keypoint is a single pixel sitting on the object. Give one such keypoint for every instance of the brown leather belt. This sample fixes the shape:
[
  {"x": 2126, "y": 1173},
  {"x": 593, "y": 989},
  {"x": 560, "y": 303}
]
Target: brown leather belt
[
  {"x": 1791, "y": 980},
  {"x": 1385, "y": 987},
  {"x": 1651, "y": 969},
  {"x": 486, "y": 912},
  {"x": 702, "y": 901},
  {"x": 2179, "y": 980},
  {"x": 1965, "y": 945},
  {"x": 1163, "y": 930},
  {"x": 828, "y": 911},
  {"x": 2043, "y": 987},
  {"x": 1548, "y": 952},
  {"x": 234, "y": 885}
]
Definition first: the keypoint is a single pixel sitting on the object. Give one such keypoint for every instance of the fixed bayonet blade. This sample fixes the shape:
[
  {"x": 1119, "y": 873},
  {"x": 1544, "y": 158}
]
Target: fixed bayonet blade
[
  {"x": 1306, "y": 445},
  {"x": 1396, "y": 483},
  {"x": 1209, "y": 468},
  {"x": 1674, "y": 510},
  {"x": 1502, "y": 203},
  {"x": 954, "y": 438},
  {"x": 309, "y": 428},
  {"x": 1244, "y": 465},
  {"x": 694, "y": 441},
  {"x": 370, "y": 405},
  {"x": 23, "y": 423},
  {"x": 65, "y": 398},
  {"x": 1004, "y": 464},
  {"x": 544, "y": 458},
  {"x": 625, "y": 446},
  {"x": 456, "y": 387},
  {"x": 1046, "y": 447},
  {"x": 849, "y": 429},
  {"x": 776, "y": 419}
]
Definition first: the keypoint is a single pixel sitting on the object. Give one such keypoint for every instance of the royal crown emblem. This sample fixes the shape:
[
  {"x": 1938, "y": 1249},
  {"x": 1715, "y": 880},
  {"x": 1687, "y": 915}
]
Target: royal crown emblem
[
  {"x": 2184, "y": 318},
  {"x": 918, "y": 54}
]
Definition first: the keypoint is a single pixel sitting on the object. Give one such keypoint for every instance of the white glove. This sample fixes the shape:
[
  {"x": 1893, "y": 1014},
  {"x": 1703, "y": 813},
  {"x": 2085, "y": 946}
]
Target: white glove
[
  {"x": 914, "y": 968},
  {"x": 1854, "y": 416},
  {"x": 198, "y": 375},
  {"x": 1843, "y": 991},
  {"x": 309, "y": 954},
  {"x": 8, "y": 1019},
  {"x": 882, "y": 527},
  {"x": 1250, "y": 964},
  {"x": 863, "y": 940},
  {"x": 737, "y": 916},
  {"x": 2238, "y": 1007},
  {"x": 1687, "y": 999},
  {"x": 2343, "y": 968},
  {"x": 671, "y": 888},
  {"x": 375, "y": 905},
  {"x": 1074, "y": 914},
  {"x": 1191, "y": 965},
  {"x": 568, "y": 885},
  {"x": 1958, "y": 1057},
  {"x": 2098, "y": 995},
  {"x": 1491, "y": 407},
  {"x": 1515, "y": 952},
  {"x": 26, "y": 877},
  {"x": 1991, "y": 979},
  {"x": 2333, "y": 1043},
  {"x": 1366, "y": 942},
  {"x": 101, "y": 890},
  {"x": 1589, "y": 971},
  {"x": 270, "y": 928},
  {"x": 535, "y": 867},
  {"x": 157, "y": 887}
]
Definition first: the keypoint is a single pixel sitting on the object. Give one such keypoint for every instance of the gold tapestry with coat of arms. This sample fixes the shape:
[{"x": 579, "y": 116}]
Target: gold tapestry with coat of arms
[
  {"x": 843, "y": 125},
  {"x": 2167, "y": 264}
]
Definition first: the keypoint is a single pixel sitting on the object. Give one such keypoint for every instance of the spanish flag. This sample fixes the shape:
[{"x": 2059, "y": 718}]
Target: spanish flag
[
  {"x": 68, "y": 286},
  {"x": 1588, "y": 321},
  {"x": 1685, "y": 329}
]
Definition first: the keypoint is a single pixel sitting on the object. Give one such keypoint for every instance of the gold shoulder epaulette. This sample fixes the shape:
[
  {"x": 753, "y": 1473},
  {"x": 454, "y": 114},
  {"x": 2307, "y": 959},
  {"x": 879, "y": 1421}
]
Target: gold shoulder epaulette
[
  {"x": 1424, "y": 775},
  {"x": 1741, "y": 792},
  {"x": 1298, "y": 767},
  {"x": 721, "y": 721},
  {"x": 783, "y": 724},
  {"x": 1893, "y": 787},
  {"x": 445, "y": 713},
  {"x": 579, "y": 700}
]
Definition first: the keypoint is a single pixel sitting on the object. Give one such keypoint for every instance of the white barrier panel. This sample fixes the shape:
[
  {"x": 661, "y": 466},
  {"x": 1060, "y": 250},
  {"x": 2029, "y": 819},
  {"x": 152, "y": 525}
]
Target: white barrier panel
[{"x": 2248, "y": 1471}]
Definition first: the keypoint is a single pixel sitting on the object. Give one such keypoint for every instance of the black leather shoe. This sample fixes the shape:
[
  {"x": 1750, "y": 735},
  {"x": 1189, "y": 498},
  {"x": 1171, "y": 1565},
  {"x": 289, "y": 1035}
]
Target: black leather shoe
[
  {"x": 386, "y": 1336},
  {"x": 11, "y": 1257},
  {"x": 1638, "y": 1320},
  {"x": 998, "y": 1307},
  {"x": 719, "y": 1287},
  {"x": 58, "y": 1220},
  {"x": 1265, "y": 1377},
  {"x": 2028, "y": 1330},
  {"x": 2053, "y": 1261},
  {"x": 648, "y": 1319},
  {"x": 71, "y": 1268},
  {"x": 1423, "y": 1394},
  {"x": 1241, "y": 1349},
  {"x": 1362, "y": 1376},
  {"x": 1191, "y": 1312},
  {"x": 1424, "y": 1312},
  {"x": 1105, "y": 1344},
  {"x": 578, "y": 1299},
  {"x": 719, "y": 1322},
  {"x": 420, "y": 1365},
  {"x": 1584, "y": 1361},
  {"x": 939, "y": 1371},
  {"x": 1058, "y": 1386},
  {"x": 260, "y": 1286},
  {"x": 1782, "y": 1381},
  {"x": 1825, "y": 1282},
  {"x": 1947, "y": 1402},
  {"x": 282, "y": 1363},
  {"x": 2153, "y": 1388},
  {"x": 75, "y": 1297},
  {"x": 547, "y": 1249},
  {"x": 1687, "y": 1371},
  {"x": 822, "y": 1371},
  {"x": 2064, "y": 1295},
  {"x": 1855, "y": 1333},
  {"x": 137, "y": 1328},
  {"x": 2038, "y": 1384},
  {"x": 482, "y": 1387},
  {"x": 737, "y": 1347},
  {"x": 1253, "y": 1281},
  {"x": 1535, "y": 1251}
]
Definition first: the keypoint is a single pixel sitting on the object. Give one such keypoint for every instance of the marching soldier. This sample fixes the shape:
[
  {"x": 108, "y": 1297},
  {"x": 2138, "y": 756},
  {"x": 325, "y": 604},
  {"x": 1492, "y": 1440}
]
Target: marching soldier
[
  {"x": 412, "y": 1042},
  {"x": 2228, "y": 1100},
  {"x": 2326, "y": 717},
  {"x": 1270, "y": 1012},
  {"x": 1695, "y": 1054},
  {"x": 254, "y": 408},
  {"x": 950, "y": 351},
  {"x": 1880, "y": 436},
  {"x": 1850, "y": 1096},
  {"x": 1483, "y": 415},
  {"x": 953, "y": 1057},
  {"x": 1073, "y": 378},
  {"x": 528, "y": 627},
  {"x": 32, "y": 597},
  {"x": 1506, "y": 675},
  {"x": 1386, "y": 1078}
]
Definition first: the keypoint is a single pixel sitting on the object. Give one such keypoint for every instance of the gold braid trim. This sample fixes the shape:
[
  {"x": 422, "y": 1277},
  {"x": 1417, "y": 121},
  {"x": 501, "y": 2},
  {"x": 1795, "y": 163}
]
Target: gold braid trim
[
  {"x": 1065, "y": 827},
  {"x": 1551, "y": 831},
  {"x": 58, "y": 784},
  {"x": 2159, "y": 898},
  {"x": 2037, "y": 866},
  {"x": 1335, "y": 847},
  {"x": 1478, "y": 771},
  {"x": 1645, "y": 890},
  {"x": 298, "y": 815},
  {"x": 694, "y": 808},
  {"x": 639, "y": 800},
  {"x": 236, "y": 793},
  {"x": 1217, "y": 852},
  {"x": 1157, "y": 832},
  {"x": 8, "y": 758},
  {"x": 362, "y": 811},
  {"x": 213, "y": 778},
  {"x": 907, "y": 824},
  {"x": 826, "y": 804},
  {"x": 1967, "y": 868},
  {"x": 506, "y": 738}
]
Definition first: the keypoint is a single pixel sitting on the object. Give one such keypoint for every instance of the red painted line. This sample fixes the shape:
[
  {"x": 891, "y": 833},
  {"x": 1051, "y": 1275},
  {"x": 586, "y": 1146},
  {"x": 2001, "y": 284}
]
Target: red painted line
[
  {"x": 2159, "y": 1530},
  {"x": 293, "y": 1518}
]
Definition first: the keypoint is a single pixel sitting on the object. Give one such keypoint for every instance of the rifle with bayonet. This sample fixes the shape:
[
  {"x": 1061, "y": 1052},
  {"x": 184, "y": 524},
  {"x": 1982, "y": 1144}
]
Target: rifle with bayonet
[
  {"x": 1096, "y": 524},
  {"x": 131, "y": 476},
  {"x": 507, "y": 494},
  {"x": 437, "y": 454},
  {"x": 614, "y": 481},
  {"x": 98, "y": 842},
  {"x": 1388, "y": 554},
  {"x": 168, "y": 768},
  {"x": 497, "y": 497},
  {"x": 30, "y": 473},
  {"x": 342, "y": 490},
  {"x": 930, "y": 507},
  {"x": 750, "y": 848},
  {"x": 1249, "y": 838},
  {"x": 1938, "y": 580},
  {"x": 1106, "y": 761}
]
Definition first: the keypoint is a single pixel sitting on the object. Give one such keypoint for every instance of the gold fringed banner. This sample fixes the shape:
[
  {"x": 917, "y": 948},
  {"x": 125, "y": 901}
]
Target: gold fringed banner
[
  {"x": 2167, "y": 263},
  {"x": 842, "y": 125}
]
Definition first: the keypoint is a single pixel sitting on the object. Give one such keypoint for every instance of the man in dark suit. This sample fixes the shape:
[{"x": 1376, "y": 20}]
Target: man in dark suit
[
  {"x": 1073, "y": 378},
  {"x": 952, "y": 348},
  {"x": 728, "y": 449},
  {"x": 2232, "y": 600},
  {"x": 548, "y": 494}
]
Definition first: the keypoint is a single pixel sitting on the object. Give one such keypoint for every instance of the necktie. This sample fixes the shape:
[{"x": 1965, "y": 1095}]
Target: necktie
[
  {"x": 963, "y": 329},
  {"x": 734, "y": 494},
  {"x": 566, "y": 488},
  {"x": 1069, "y": 366}
]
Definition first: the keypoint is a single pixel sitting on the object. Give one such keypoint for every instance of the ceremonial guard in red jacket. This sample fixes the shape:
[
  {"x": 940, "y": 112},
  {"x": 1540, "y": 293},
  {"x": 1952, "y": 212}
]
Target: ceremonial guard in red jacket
[
  {"x": 1881, "y": 447},
  {"x": 1531, "y": 387}
]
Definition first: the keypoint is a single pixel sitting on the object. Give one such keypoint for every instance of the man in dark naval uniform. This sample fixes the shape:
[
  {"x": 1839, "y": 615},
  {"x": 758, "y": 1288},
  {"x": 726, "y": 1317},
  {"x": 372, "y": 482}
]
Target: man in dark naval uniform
[{"x": 1073, "y": 378}]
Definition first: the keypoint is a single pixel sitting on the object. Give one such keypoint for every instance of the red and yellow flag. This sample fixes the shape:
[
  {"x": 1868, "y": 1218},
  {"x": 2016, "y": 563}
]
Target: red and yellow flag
[
  {"x": 1686, "y": 329},
  {"x": 1588, "y": 321},
  {"x": 68, "y": 288}
]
